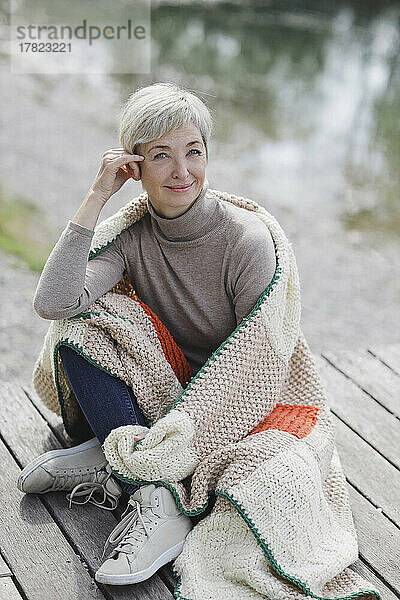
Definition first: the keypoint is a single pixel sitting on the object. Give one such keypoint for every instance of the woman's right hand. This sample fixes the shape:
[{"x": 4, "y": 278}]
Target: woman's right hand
[{"x": 113, "y": 173}]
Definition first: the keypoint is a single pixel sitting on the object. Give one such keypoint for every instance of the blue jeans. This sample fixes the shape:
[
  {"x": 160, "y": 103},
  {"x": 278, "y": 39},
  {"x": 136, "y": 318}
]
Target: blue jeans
[{"x": 106, "y": 402}]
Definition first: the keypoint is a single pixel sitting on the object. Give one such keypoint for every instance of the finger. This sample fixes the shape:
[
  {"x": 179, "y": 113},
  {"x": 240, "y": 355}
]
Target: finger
[
  {"x": 128, "y": 157},
  {"x": 120, "y": 149},
  {"x": 128, "y": 170},
  {"x": 116, "y": 155},
  {"x": 134, "y": 170},
  {"x": 131, "y": 172},
  {"x": 117, "y": 152}
]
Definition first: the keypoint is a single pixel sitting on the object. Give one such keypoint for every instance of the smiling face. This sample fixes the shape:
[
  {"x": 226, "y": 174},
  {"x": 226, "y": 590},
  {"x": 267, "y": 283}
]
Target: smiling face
[{"x": 180, "y": 163}]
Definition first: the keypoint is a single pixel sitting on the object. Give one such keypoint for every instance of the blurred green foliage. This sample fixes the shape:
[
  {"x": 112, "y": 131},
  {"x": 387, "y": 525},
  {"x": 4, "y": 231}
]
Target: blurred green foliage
[{"x": 22, "y": 231}]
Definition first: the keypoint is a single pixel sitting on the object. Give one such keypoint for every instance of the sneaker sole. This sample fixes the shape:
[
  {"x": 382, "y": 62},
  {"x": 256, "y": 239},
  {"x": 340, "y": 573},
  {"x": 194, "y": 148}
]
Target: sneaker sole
[
  {"x": 43, "y": 458},
  {"x": 162, "y": 560}
]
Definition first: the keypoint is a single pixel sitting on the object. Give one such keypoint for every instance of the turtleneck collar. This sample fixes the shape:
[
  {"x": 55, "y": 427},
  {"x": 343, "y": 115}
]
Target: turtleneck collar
[{"x": 192, "y": 224}]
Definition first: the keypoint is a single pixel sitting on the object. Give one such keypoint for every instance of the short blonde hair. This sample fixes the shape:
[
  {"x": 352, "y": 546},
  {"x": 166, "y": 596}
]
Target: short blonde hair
[{"x": 157, "y": 109}]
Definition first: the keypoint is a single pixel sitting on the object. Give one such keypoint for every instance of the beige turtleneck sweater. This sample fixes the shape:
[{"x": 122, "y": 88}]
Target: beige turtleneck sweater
[{"x": 201, "y": 272}]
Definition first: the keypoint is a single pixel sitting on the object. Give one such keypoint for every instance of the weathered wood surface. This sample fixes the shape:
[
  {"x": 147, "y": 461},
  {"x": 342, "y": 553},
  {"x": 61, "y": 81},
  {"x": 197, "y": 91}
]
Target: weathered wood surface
[
  {"x": 8, "y": 590},
  {"x": 368, "y": 419},
  {"x": 363, "y": 394},
  {"x": 390, "y": 355},
  {"x": 379, "y": 539},
  {"x": 362, "y": 569},
  {"x": 5, "y": 570},
  {"x": 371, "y": 375}
]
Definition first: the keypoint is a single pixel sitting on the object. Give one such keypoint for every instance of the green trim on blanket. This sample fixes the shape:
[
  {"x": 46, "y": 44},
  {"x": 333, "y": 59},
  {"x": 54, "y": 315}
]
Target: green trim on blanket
[
  {"x": 97, "y": 251},
  {"x": 170, "y": 487}
]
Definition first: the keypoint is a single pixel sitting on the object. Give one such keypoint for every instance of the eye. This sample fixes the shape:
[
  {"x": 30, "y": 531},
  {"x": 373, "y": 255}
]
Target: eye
[{"x": 160, "y": 154}]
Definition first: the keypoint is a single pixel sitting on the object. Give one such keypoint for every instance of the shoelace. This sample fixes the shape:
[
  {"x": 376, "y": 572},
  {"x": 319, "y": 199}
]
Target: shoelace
[
  {"x": 129, "y": 530},
  {"x": 87, "y": 489}
]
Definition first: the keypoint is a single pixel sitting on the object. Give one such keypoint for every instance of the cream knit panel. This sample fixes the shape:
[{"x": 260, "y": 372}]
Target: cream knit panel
[
  {"x": 285, "y": 498},
  {"x": 222, "y": 559},
  {"x": 164, "y": 454},
  {"x": 303, "y": 383},
  {"x": 304, "y": 387}
]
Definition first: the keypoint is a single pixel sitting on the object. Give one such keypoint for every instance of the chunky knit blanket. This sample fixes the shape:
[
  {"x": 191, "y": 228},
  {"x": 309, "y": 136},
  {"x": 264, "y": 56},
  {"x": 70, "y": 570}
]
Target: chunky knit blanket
[{"x": 247, "y": 446}]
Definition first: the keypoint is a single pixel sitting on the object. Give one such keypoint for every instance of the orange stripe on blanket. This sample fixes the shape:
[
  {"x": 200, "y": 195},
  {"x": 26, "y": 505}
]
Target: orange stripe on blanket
[
  {"x": 296, "y": 419},
  {"x": 172, "y": 352}
]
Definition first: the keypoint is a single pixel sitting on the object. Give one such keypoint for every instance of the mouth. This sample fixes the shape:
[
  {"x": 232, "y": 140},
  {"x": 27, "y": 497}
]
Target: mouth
[{"x": 180, "y": 188}]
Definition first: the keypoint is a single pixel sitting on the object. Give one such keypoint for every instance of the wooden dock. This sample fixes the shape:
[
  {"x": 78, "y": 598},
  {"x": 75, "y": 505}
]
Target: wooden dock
[{"x": 49, "y": 550}]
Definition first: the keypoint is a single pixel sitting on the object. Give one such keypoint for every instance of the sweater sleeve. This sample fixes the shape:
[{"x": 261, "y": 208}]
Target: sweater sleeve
[
  {"x": 69, "y": 282},
  {"x": 255, "y": 263}
]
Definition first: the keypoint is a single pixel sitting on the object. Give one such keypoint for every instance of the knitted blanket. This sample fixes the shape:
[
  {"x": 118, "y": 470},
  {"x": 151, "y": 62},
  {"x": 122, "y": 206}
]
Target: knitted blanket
[{"x": 247, "y": 446}]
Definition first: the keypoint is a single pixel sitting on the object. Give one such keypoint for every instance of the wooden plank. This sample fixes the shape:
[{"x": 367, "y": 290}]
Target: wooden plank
[
  {"x": 5, "y": 570},
  {"x": 360, "y": 412},
  {"x": 54, "y": 421},
  {"x": 86, "y": 527},
  {"x": 368, "y": 471},
  {"x": 371, "y": 375},
  {"x": 388, "y": 354},
  {"x": 31, "y": 540},
  {"x": 8, "y": 591},
  {"x": 378, "y": 539},
  {"x": 362, "y": 569}
]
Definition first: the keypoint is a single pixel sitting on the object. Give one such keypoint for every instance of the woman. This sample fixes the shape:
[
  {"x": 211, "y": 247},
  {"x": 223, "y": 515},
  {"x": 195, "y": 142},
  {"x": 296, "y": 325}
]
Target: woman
[{"x": 198, "y": 263}]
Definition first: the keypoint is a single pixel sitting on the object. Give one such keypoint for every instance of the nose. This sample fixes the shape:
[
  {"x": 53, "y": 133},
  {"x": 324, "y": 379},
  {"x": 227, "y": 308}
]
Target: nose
[{"x": 180, "y": 169}]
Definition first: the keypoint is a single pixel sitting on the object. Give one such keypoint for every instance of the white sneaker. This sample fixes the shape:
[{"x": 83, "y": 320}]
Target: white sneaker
[
  {"x": 149, "y": 536},
  {"x": 82, "y": 470}
]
